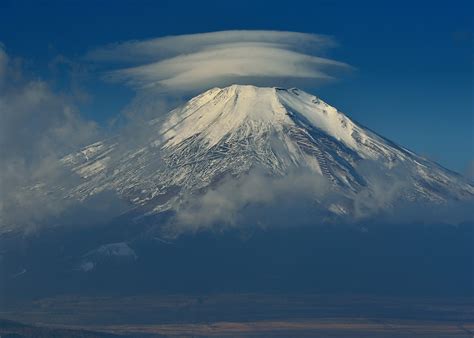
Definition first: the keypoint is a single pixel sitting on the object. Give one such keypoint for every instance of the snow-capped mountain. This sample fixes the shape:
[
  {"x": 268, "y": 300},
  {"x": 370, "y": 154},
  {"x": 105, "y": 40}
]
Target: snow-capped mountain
[{"x": 225, "y": 132}]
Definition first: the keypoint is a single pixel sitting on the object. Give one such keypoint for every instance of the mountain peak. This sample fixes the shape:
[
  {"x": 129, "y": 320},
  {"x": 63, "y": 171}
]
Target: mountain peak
[
  {"x": 228, "y": 131},
  {"x": 219, "y": 111}
]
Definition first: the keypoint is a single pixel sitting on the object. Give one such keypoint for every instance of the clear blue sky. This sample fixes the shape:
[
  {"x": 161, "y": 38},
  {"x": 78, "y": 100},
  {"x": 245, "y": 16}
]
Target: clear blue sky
[{"x": 414, "y": 59}]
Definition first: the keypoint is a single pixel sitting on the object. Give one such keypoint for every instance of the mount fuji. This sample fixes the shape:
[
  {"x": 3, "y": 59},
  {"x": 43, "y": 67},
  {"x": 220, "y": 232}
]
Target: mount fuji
[
  {"x": 273, "y": 173},
  {"x": 228, "y": 132}
]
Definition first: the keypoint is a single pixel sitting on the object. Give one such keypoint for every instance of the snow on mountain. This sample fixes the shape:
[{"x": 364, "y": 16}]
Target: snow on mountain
[
  {"x": 105, "y": 253},
  {"x": 229, "y": 131}
]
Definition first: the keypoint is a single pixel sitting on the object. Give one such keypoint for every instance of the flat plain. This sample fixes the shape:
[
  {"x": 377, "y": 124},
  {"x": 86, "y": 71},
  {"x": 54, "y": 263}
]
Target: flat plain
[{"x": 251, "y": 315}]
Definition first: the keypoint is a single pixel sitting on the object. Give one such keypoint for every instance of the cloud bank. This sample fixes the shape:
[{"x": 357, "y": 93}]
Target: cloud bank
[
  {"x": 253, "y": 199},
  {"x": 195, "y": 62},
  {"x": 304, "y": 198},
  {"x": 37, "y": 126}
]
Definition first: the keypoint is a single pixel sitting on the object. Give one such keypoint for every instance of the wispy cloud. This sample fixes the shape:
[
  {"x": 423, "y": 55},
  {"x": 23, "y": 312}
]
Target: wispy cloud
[
  {"x": 37, "y": 127},
  {"x": 255, "y": 199},
  {"x": 304, "y": 198},
  {"x": 191, "y": 63}
]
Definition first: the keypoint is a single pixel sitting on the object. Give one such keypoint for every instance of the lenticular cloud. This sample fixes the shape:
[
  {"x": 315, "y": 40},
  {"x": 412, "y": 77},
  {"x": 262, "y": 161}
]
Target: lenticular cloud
[{"x": 194, "y": 62}]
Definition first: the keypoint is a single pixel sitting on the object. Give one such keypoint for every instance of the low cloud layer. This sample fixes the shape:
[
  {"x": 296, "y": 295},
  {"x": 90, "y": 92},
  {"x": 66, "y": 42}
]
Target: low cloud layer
[
  {"x": 195, "y": 62},
  {"x": 37, "y": 126},
  {"x": 304, "y": 198},
  {"x": 252, "y": 198}
]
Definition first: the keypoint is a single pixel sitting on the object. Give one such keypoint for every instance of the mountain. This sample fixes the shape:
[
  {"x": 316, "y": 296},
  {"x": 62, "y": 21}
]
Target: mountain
[
  {"x": 227, "y": 132},
  {"x": 210, "y": 150}
]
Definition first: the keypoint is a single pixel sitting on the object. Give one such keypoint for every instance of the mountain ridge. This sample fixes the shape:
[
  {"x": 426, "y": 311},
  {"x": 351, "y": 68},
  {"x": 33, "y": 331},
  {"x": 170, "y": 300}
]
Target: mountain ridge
[{"x": 230, "y": 131}]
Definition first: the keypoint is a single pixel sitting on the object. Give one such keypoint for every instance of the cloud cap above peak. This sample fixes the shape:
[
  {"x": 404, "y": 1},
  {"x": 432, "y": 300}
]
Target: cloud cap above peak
[{"x": 194, "y": 62}]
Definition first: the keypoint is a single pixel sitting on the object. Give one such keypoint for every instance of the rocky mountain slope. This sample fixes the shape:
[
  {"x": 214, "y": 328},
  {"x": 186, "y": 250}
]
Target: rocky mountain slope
[{"x": 227, "y": 132}]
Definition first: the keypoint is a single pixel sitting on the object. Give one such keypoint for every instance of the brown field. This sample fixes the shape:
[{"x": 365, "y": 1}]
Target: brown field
[{"x": 252, "y": 315}]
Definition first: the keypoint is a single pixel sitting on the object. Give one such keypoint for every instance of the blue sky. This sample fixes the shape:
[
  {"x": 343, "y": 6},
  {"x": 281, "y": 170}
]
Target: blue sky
[{"x": 413, "y": 81}]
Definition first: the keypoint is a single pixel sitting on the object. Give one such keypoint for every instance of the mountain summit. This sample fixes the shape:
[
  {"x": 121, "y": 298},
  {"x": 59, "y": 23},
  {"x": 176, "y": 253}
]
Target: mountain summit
[{"x": 227, "y": 132}]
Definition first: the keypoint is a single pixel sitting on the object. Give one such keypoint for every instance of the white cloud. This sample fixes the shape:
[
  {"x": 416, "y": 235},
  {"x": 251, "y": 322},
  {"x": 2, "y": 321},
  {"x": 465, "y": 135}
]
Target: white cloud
[
  {"x": 256, "y": 199},
  {"x": 191, "y": 63},
  {"x": 37, "y": 126},
  {"x": 165, "y": 47},
  {"x": 303, "y": 198}
]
